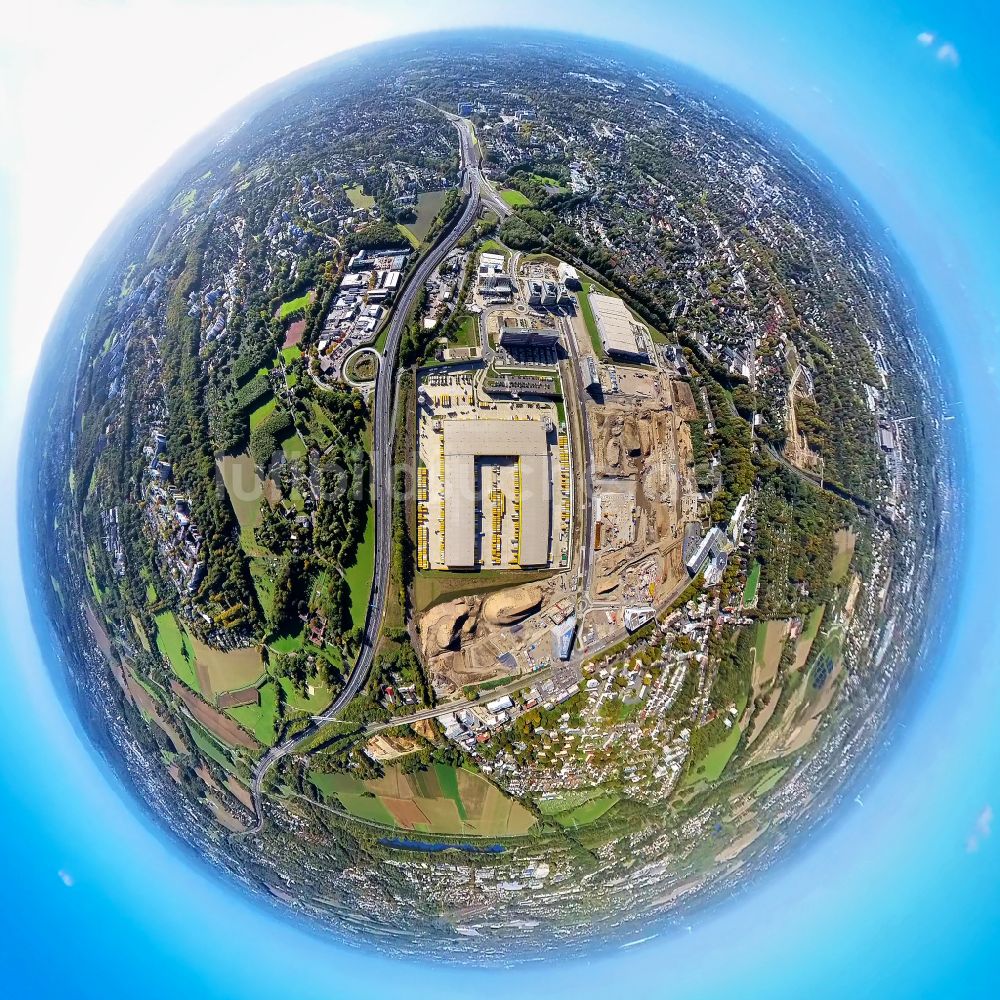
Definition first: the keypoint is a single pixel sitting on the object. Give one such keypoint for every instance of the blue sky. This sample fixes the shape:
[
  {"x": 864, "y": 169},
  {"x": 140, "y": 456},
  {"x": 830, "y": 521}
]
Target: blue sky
[{"x": 899, "y": 898}]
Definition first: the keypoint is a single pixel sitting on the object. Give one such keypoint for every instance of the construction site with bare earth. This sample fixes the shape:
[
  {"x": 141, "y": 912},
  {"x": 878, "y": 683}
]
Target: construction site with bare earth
[{"x": 529, "y": 519}]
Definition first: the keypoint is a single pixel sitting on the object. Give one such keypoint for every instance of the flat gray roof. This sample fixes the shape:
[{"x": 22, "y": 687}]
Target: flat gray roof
[
  {"x": 467, "y": 440},
  {"x": 616, "y": 325}
]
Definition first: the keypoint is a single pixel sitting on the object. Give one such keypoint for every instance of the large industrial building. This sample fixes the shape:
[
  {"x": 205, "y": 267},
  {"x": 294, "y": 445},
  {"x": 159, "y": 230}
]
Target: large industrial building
[
  {"x": 621, "y": 335},
  {"x": 468, "y": 441},
  {"x": 523, "y": 336}
]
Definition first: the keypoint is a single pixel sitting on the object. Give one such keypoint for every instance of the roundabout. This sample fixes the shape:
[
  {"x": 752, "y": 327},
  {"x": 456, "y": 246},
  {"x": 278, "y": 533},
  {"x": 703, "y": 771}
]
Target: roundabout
[{"x": 362, "y": 367}]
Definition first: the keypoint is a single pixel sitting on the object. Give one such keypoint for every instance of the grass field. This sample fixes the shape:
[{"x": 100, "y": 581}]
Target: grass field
[
  {"x": 768, "y": 781},
  {"x": 259, "y": 719},
  {"x": 431, "y": 586},
  {"x": 226, "y": 670},
  {"x": 514, "y": 198},
  {"x": 321, "y": 697},
  {"x": 750, "y": 590},
  {"x": 769, "y": 644},
  {"x": 428, "y": 205},
  {"x": 358, "y": 198},
  {"x": 845, "y": 541},
  {"x": 290, "y": 354},
  {"x": 494, "y": 246},
  {"x": 564, "y": 801},
  {"x": 588, "y": 317},
  {"x": 808, "y": 636},
  {"x": 712, "y": 765},
  {"x": 262, "y": 573},
  {"x": 362, "y": 366},
  {"x": 258, "y": 416},
  {"x": 359, "y": 576},
  {"x": 293, "y": 447},
  {"x": 442, "y": 800},
  {"x": 140, "y": 632},
  {"x": 587, "y": 812},
  {"x": 243, "y": 486},
  {"x": 294, "y": 305},
  {"x": 409, "y": 236},
  {"x": 287, "y": 643},
  {"x": 467, "y": 334},
  {"x": 209, "y": 747},
  {"x": 175, "y": 646},
  {"x": 549, "y": 182}
]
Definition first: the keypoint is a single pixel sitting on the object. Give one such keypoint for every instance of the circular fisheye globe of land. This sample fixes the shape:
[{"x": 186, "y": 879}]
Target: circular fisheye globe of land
[{"x": 487, "y": 499}]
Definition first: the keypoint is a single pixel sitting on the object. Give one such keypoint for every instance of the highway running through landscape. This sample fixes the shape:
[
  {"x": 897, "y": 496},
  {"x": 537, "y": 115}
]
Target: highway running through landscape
[{"x": 477, "y": 192}]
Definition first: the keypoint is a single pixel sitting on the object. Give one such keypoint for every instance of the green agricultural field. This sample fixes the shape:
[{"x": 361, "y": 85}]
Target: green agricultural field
[
  {"x": 227, "y": 670},
  {"x": 259, "y": 719},
  {"x": 176, "y": 647},
  {"x": 258, "y": 416},
  {"x": 447, "y": 778},
  {"x": 358, "y": 198},
  {"x": 442, "y": 800},
  {"x": 286, "y": 309},
  {"x": 366, "y": 807},
  {"x": 359, "y": 576}
]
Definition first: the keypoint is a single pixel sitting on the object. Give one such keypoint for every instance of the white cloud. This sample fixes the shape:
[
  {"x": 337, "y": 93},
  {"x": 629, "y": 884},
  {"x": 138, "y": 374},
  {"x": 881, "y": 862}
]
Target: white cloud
[
  {"x": 66, "y": 879},
  {"x": 947, "y": 53},
  {"x": 982, "y": 828},
  {"x": 926, "y": 37}
]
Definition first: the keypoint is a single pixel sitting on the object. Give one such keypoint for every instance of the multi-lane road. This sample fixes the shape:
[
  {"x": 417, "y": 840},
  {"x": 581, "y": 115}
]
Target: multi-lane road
[{"x": 478, "y": 193}]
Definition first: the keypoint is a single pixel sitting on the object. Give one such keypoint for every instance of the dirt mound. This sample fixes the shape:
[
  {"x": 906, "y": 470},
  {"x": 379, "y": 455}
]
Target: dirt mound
[
  {"x": 508, "y": 607},
  {"x": 443, "y": 627}
]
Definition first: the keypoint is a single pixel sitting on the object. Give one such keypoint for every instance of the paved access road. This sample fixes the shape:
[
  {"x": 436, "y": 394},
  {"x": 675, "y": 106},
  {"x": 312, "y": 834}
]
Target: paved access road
[{"x": 382, "y": 461}]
